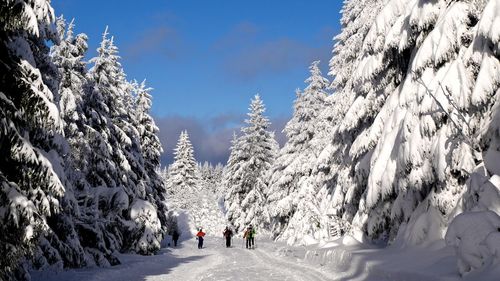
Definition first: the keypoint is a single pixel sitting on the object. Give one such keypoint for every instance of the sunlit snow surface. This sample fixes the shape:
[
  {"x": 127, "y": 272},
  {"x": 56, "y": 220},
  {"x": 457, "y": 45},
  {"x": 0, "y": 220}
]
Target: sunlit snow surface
[
  {"x": 214, "y": 262},
  {"x": 347, "y": 260}
]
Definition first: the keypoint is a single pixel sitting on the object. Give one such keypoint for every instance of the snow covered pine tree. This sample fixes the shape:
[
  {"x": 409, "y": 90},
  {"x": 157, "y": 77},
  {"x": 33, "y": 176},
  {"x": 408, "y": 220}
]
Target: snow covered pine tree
[
  {"x": 61, "y": 246},
  {"x": 183, "y": 177},
  {"x": 151, "y": 150},
  {"x": 244, "y": 177},
  {"x": 289, "y": 184},
  {"x": 29, "y": 131},
  {"x": 117, "y": 174}
]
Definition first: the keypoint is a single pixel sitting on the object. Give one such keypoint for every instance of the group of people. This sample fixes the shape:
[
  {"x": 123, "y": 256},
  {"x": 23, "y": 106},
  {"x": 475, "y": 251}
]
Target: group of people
[{"x": 249, "y": 235}]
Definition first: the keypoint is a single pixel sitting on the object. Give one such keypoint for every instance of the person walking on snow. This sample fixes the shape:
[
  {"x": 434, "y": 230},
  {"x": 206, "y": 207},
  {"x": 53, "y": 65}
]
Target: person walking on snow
[
  {"x": 228, "y": 233},
  {"x": 200, "y": 236},
  {"x": 250, "y": 236},
  {"x": 175, "y": 237}
]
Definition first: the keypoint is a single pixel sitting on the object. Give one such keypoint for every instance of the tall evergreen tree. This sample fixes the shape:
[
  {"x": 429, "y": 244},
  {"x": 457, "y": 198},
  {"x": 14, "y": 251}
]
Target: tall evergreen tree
[
  {"x": 110, "y": 82},
  {"x": 151, "y": 150},
  {"x": 251, "y": 157},
  {"x": 113, "y": 118},
  {"x": 425, "y": 122},
  {"x": 30, "y": 130},
  {"x": 296, "y": 158},
  {"x": 150, "y": 144},
  {"x": 104, "y": 196},
  {"x": 61, "y": 244},
  {"x": 102, "y": 169},
  {"x": 359, "y": 102}
]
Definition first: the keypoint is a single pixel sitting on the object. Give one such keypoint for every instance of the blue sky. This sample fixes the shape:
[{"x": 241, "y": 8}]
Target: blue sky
[{"x": 207, "y": 59}]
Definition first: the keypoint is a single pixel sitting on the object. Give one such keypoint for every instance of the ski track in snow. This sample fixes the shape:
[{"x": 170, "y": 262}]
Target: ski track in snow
[{"x": 187, "y": 262}]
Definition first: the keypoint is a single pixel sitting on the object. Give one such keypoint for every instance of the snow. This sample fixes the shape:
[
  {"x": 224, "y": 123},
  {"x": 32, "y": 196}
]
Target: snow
[
  {"x": 441, "y": 43},
  {"x": 144, "y": 214},
  {"x": 492, "y": 161},
  {"x": 475, "y": 237},
  {"x": 489, "y": 25},
  {"x": 345, "y": 259},
  {"x": 213, "y": 262}
]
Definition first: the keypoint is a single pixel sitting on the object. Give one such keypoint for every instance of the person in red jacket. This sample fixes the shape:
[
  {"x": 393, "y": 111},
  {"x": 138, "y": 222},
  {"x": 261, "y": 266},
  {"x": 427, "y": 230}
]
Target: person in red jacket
[{"x": 200, "y": 238}]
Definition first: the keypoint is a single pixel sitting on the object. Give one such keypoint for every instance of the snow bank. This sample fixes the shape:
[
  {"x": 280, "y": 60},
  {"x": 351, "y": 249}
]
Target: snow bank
[
  {"x": 144, "y": 214},
  {"x": 426, "y": 227},
  {"x": 476, "y": 239}
]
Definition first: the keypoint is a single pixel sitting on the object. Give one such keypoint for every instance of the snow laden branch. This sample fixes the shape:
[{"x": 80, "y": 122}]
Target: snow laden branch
[{"x": 467, "y": 137}]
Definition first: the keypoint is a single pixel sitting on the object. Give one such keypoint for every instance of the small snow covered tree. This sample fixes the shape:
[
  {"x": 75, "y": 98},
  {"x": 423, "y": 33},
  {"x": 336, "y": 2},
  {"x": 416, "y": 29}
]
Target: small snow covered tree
[
  {"x": 188, "y": 192},
  {"x": 183, "y": 177},
  {"x": 211, "y": 176},
  {"x": 217, "y": 177},
  {"x": 211, "y": 217},
  {"x": 30, "y": 130},
  {"x": 244, "y": 178},
  {"x": 296, "y": 158}
]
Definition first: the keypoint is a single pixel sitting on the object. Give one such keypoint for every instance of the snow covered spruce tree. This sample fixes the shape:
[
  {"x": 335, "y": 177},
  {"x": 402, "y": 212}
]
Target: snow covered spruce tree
[
  {"x": 348, "y": 114},
  {"x": 60, "y": 246},
  {"x": 30, "y": 130},
  {"x": 211, "y": 176},
  {"x": 479, "y": 148},
  {"x": 110, "y": 82},
  {"x": 188, "y": 194},
  {"x": 151, "y": 150},
  {"x": 251, "y": 157},
  {"x": 149, "y": 211},
  {"x": 143, "y": 189},
  {"x": 424, "y": 121},
  {"x": 183, "y": 179},
  {"x": 294, "y": 164},
  {"x": 103, "y": 201},
  {"x": 115, "y": 202}
]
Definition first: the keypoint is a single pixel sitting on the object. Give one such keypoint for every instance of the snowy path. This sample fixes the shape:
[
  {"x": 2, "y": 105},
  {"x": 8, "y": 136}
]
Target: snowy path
[{"x": 214, "y": 262}]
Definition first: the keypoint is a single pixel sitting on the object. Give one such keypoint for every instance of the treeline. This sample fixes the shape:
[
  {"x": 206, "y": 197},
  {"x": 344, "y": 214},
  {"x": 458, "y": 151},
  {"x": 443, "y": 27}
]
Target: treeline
[
  {"x": 80, "y": 153},
  {"x": 401, "y": 147}
]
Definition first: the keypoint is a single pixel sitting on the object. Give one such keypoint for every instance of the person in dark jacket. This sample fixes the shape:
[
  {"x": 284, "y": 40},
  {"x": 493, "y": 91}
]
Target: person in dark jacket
[
  {"x": 175, "y": 237},
  {"x": 200, "y": 238},
  {"x": 228, "y": 233}
]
